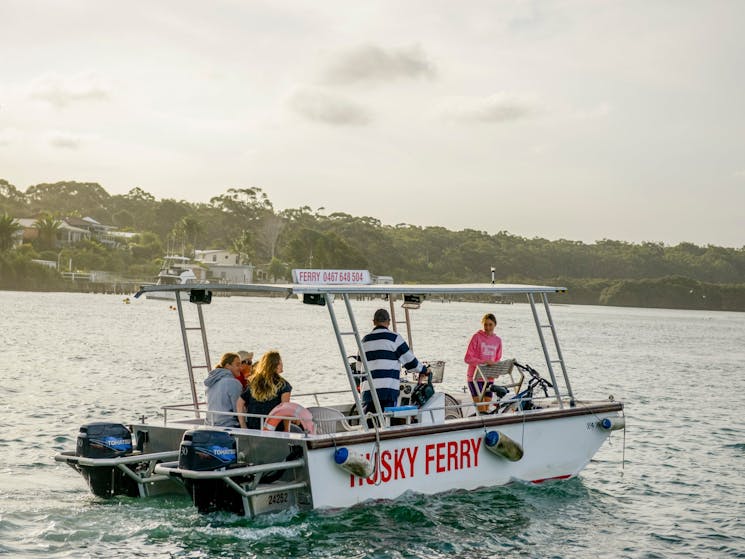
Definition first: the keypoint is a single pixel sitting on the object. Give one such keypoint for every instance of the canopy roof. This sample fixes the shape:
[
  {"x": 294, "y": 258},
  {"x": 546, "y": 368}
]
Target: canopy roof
[{"x": 373, "y": 289}]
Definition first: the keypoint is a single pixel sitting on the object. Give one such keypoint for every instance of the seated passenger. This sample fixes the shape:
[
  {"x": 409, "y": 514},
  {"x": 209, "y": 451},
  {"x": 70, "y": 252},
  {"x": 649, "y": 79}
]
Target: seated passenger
[
  {"x": 223, "y": 389},
  {"x": 246, "y": 366},
  {"x": 266, "y": 389}
]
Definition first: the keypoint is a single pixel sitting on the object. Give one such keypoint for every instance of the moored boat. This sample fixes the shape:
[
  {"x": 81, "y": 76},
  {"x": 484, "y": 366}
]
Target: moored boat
[
  {"x": 337, "y": 455},
  {"x": 175, "y": 270}
]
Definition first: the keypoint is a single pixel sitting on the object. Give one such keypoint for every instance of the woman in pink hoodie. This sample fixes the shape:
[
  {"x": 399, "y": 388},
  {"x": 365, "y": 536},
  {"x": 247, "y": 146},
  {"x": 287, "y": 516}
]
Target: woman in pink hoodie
[{"x": 485, "y": 348}]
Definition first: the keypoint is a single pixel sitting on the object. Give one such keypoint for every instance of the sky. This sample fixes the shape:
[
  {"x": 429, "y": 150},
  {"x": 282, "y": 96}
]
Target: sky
[{"x": 562, "y": 119}]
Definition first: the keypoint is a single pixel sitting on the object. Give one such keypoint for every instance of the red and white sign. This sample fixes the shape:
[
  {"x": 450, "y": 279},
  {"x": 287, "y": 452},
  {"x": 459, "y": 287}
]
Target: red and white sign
[
  {"x": 436, "y": 458},
  {"x": 331, "y": 277}
]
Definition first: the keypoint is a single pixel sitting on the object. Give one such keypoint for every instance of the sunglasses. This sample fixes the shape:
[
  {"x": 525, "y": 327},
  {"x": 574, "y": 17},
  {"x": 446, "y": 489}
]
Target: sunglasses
[{"x": 247, "y": 362}]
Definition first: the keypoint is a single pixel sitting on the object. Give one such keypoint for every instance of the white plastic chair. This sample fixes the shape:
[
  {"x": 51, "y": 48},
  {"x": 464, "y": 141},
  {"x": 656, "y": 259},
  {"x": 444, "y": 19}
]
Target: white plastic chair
[
  {"x": 329, "y": 420},
  {"x": 504, "y": 368}
]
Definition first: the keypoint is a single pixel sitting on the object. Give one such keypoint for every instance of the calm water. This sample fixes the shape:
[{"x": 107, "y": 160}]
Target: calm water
[{"x": 67, "y": 359}]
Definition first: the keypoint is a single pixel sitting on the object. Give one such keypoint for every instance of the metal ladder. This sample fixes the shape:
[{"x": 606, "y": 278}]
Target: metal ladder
[
  {"x": 549, "y": 361},
  {"x": 190, "y": 366},
  {"x": 365, "y": 374}
]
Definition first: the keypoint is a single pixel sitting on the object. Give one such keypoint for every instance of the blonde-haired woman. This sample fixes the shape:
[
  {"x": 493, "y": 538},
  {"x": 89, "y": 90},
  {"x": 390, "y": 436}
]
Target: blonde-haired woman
[{"x": 266, "y": 389}]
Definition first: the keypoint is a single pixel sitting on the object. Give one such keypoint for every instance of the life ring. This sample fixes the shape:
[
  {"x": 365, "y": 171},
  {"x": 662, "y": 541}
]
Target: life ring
[{"x": 291, "y": 410}]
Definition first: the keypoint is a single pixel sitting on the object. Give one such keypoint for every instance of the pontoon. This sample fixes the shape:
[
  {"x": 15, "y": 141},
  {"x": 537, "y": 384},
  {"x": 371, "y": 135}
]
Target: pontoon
[{"x": 339, "y": 456}]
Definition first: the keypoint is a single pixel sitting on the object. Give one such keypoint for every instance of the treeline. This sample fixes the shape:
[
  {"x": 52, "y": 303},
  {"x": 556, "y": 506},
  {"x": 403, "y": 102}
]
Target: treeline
[
  {"x": 673, "y": 292},
  {"x": 244, "y": 219}
]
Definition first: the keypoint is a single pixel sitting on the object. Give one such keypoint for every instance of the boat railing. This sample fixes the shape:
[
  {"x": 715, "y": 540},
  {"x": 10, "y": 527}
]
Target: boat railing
[
  {"x": 170, "y": 410},
  {"x": 450, "y": 410},
  {"x": 512, "y": 404}
]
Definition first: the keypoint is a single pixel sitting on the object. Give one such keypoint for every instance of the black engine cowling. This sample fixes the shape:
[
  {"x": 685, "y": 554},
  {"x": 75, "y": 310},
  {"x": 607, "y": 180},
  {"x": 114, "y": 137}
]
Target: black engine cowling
[
  {"x": 103, "y": 440},
  {"x": 207, "y": 450},
  {"x": 100, "y": 441}
]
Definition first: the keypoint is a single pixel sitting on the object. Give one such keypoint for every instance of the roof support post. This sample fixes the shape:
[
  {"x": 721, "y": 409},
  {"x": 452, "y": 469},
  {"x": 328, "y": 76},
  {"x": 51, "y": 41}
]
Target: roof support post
[
  {"x": 546, "y": 356},
  {"x": 187, "y": 351},
  {"x": 558, "y": 348},
  {"x": 361, "y": 353}
]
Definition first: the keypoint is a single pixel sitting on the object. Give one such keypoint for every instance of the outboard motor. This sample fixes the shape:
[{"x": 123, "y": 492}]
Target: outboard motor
[
  {"x": 208, "y": 450},
  {"x": 106, "y": 440},
  {"x": 103, "y": 440}
]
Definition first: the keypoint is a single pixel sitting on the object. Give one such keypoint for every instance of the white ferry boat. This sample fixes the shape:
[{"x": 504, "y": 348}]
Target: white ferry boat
[{"x": 338, "y": 456}]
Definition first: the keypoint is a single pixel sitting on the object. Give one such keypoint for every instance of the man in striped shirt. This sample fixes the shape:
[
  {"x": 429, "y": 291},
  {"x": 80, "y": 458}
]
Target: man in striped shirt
[{"x": 386, "y": 352}]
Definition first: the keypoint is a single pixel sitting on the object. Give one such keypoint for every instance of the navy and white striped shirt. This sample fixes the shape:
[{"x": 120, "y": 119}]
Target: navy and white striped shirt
[{"x": 386, "y": 352}]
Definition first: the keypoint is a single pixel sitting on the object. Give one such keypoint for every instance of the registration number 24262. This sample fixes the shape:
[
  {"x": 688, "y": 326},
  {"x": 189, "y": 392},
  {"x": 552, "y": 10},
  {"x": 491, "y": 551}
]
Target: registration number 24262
[{"x": 278, "y": 498}]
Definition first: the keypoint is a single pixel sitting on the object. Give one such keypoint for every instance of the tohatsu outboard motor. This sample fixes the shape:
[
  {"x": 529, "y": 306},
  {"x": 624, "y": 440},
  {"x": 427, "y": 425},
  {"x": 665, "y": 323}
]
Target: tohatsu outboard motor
[
  {"x": 104, "y": 440},
  {"x": 209, "y": 450},
  {"x": 101, "y": 441}
]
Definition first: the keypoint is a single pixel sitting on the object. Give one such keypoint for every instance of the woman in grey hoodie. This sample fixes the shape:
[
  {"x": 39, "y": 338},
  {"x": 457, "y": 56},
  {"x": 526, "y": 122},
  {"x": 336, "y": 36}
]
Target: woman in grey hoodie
[{"x": 223, "y": 389}]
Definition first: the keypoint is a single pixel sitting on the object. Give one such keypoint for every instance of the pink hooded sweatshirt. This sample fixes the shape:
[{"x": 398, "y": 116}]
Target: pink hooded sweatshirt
[{"x": 482, "y": 348}]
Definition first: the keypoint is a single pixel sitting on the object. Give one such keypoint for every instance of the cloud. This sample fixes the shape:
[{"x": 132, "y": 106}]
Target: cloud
[
  {"x": 7, "y": 136},
  {"x": 599, "y": 111},
  {"x": 369, "y": 63},
  {"x": 319, "y": 106},
  {"x": 499, "y": 107},
  {"x": 61, "y": 92},
  {"x": 64, "y": 140}
]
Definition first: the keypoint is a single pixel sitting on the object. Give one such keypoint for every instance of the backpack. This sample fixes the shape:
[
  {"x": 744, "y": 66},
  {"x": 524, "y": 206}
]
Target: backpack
[{"x": 422, "y": 392}]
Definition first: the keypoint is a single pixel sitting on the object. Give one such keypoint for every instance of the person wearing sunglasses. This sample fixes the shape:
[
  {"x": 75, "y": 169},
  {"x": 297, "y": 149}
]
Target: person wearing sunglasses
[{"x": 246, "y": 366}]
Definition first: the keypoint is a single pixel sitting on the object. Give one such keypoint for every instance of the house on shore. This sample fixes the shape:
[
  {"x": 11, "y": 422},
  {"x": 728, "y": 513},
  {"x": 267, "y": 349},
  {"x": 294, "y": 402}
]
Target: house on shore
[
  {"x": 66, "y": 234},
  {"x": 225, "y": 266}
]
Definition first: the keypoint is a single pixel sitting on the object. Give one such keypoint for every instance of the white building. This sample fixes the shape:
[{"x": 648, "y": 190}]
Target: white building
[
  {"x": 225, "y": 266},
  {"x": 66, "y": 234},
  {"x": 217, "y": 257}
]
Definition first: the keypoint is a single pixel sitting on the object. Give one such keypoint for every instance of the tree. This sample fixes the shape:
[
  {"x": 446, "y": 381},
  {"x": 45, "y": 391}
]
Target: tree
[
  {"x": 313, "y": 249},
  {"x": 191, "y": 229},
  {"x": 146, "y": 246},
  {"x": 8, "y": 228},
  {"x": 136, "y": 194},
  {"x": 183, "y": 236},
  {"x": 244, "y": 246},
  {"x": 47, "y": 226},
  {"x": 11, "y": 199},
  {"x": 269, "y": 230},
  {"x": 84, "y": 198},
  {"x": 278, "y": 269},
  {"x": 140, "y": 206},
  {"x": 167, "y": 214},
  {"x": 123, "y": 218},
  {"x": 246, "y": 204}
]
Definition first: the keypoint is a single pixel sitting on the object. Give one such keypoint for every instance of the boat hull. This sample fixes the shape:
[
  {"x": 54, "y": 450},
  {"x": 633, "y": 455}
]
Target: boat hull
[
  {"x": 553, "y": 444},
  {"x": 438, "y": 460}
]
